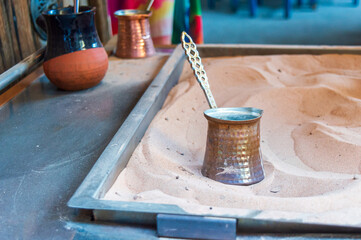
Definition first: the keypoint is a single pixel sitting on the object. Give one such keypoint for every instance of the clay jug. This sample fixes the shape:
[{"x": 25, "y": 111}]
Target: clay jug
[{"x": 74, "y": 58}]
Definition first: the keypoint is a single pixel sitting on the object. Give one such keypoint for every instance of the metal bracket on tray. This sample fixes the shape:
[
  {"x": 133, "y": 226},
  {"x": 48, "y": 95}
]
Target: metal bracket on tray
[{"x": 182, "y": 226}]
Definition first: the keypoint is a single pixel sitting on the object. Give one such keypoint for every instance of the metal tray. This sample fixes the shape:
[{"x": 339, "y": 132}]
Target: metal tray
[{"x": 172, "y": 220}]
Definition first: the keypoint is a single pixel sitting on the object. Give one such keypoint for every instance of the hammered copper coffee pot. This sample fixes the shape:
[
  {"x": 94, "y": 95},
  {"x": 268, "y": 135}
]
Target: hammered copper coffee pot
[
  {"x": 233, "y": 153},
  {"x": 134, "y": 38}
]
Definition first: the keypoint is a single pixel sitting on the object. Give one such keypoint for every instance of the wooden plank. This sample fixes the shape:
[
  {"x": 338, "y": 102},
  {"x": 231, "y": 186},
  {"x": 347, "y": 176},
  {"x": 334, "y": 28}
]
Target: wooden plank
[
  {"x": 2, "y": 67},
  {"x": 13, "y": 31},
  {"x": 101, "y": 19},
  {"x": 6, "y": 51},
  {"x": 24, "y": 27},
  {"x": 36, "y": 38}
]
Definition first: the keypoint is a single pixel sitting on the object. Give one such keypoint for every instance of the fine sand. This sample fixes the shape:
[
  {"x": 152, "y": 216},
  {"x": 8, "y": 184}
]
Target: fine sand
[{"x": 310, "y": 139}]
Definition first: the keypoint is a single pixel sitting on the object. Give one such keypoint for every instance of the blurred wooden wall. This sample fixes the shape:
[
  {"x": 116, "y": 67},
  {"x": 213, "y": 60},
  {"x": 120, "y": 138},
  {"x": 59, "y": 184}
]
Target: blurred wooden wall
[
  {"x": 102, "y": 19},
  {"x": 18, "y": 38}
]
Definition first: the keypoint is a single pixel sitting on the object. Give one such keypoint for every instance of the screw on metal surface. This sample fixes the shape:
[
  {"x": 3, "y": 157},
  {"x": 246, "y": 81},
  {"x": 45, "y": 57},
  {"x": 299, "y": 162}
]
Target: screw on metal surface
[{"x": 197, "y": 66}]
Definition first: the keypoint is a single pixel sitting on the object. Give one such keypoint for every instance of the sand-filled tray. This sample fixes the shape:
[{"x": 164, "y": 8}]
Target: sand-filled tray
[{"x": 310, "y": 141}]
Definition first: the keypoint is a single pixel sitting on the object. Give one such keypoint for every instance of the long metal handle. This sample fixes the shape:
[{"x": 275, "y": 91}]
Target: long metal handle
[
  {"x": 149, "y": 5},
  {"x": 197, "y": 66},
  {"x": 14, "y": 74},
  {"x": 76, "y": 6}
]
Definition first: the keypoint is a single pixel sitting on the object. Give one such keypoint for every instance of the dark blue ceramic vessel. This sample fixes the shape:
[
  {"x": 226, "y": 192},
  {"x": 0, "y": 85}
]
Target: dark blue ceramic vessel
[
  {"x": 74, "y": 58},
  {"x": 69, "y": 32}
]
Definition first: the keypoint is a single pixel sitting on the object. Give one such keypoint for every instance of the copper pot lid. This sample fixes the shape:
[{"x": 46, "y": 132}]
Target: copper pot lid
[
  {"x": 132, "y": 14},
  {"x": 233, "y": 115}
]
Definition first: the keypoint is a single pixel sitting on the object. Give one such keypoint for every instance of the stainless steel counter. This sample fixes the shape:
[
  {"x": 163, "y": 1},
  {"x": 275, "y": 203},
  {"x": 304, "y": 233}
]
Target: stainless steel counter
[{"x": 49, "y": 141}]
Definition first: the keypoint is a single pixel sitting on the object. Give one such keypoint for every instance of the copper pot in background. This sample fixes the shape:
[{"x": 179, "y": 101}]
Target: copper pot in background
[{"x": 134, "y": 38}]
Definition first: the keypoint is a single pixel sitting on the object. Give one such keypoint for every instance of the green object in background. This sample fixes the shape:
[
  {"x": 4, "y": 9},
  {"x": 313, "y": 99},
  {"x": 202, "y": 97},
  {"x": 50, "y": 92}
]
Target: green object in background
[
  {"x": 180, "y": 19},
  {"x": 195, "y": 21},
  {"x": 187, "y": 17},
  {"x": 195, "y": 9}
]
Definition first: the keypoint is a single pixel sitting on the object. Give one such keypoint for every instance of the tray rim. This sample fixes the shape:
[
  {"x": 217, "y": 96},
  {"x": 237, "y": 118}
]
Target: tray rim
[{"x": 87, "y": 196}]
